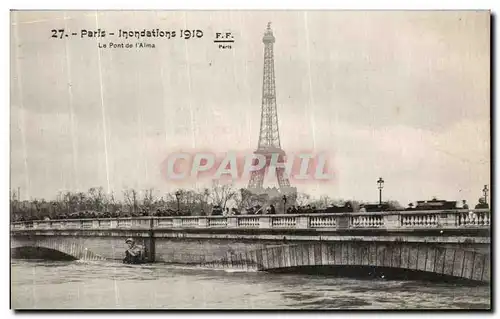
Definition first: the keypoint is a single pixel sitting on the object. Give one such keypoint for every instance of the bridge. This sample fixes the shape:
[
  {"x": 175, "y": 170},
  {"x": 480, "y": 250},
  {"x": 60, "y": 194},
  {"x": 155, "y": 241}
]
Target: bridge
[{"x": 452, "y": 243}]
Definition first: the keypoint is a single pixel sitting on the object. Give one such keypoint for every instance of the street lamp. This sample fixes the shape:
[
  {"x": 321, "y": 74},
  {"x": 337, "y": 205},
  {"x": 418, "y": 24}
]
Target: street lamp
[
  {"x": 380, "y": 183},
  {"x": 177, "y": 195},
  {"x": 284, "y": 204},
  {"x": 485, "y": 192}
]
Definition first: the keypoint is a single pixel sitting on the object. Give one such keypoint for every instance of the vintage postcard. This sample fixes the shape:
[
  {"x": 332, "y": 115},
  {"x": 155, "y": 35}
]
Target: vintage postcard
[{"x": 250, "y": 160}]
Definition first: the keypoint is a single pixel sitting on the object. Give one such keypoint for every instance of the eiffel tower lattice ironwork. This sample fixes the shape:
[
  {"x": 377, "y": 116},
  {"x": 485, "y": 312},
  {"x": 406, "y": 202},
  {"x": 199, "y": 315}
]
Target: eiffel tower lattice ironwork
[{"x": 269, "y": 136}]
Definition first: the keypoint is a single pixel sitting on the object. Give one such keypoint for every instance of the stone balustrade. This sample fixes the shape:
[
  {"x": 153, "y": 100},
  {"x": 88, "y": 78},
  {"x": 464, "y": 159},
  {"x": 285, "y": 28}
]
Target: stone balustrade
[
  {"x": 283, "y": 221},
  {"x": 323, "y": 221},
  {"x": 380, "y": 220},
  {"x": 248, "y": 221}
]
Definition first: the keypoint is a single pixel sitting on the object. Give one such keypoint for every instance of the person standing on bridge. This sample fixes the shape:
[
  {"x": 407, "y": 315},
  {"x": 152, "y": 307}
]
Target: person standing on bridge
[
  {"x": 482, "y": 204},
  {"x": 272, "y": 210},
  {"x": 133, "y": 255},
  {"x": 464, "y": 204}
]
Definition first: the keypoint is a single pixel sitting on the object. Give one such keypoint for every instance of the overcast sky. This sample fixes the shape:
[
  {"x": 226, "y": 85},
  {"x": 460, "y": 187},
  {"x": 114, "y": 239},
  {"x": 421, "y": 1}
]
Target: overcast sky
[{"x": 402, "y": 95}]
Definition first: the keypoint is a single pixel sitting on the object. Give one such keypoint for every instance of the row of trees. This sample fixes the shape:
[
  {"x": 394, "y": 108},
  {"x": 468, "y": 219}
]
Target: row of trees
[
  {"x": 132, "y": 201},
  {"x": 146, "y": 202}
]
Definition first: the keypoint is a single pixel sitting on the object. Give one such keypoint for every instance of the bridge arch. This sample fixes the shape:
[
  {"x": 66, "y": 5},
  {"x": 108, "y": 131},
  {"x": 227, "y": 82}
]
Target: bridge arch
[
  {"x": 454, "y": 262},
  {"x": 53, "y": 246},
  {"x": 30, "y": 252}
]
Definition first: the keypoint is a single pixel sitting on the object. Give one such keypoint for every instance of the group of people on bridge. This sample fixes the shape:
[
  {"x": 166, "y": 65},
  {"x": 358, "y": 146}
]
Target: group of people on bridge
[{"x": 348, "y": 207}]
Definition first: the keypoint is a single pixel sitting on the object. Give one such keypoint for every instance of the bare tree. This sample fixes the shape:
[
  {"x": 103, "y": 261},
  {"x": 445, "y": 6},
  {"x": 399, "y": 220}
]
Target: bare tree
[
  {"x": 170, "y": 201},
  {"x": 189, "y": 201},
  {"x": 112, "y": 205},
  {"x": 221, "y": 193},
  {"x": 302, "y": 199},
  {"x": 97, "y": 198},
  {"x": 205, "y": 197},
  {"x": 130, "y": 197},
  {"x": 323, "y": 202},
  {"x": 243, "y": 199},
  {"x": 148, "y": 200},
  {"x": 38, "y": 206},
  {"x": 82, "y": 201}
]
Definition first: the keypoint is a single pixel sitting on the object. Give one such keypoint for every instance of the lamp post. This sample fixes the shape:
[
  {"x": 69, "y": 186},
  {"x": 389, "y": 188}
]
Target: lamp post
[
  {"x": 284, "y": 204},
  {"x": 485, "y": 192},
  {"x": 380, "y": 183},
  {"x": 177, "y": 195}
]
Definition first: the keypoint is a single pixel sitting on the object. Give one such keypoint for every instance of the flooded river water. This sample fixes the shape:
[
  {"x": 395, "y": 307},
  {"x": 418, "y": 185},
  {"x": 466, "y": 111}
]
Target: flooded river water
[{"x": 74, "y": 284}]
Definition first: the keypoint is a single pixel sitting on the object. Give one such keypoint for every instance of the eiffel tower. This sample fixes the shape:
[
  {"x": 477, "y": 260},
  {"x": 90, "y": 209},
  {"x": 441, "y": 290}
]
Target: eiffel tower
[{"x": 269, "y": 136}]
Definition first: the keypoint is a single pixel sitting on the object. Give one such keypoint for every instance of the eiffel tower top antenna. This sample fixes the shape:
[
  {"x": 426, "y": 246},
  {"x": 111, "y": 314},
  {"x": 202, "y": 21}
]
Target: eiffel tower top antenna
[{"x": 269, "y": 136}]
